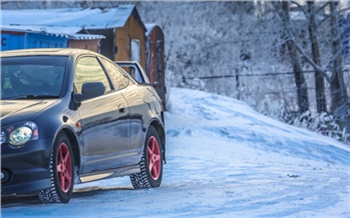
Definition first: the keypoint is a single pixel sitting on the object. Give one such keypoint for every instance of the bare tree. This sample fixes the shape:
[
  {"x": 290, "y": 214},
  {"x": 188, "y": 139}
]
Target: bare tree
[
  {"x": 302, "y": 92},
  {"x": 338, "y": 88},
  {"x": 319, "y": 80},
  {"x": 334, "y": 61}
]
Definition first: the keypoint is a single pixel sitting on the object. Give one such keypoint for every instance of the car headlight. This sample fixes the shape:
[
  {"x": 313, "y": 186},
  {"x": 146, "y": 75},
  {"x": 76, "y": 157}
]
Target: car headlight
[{"x": 20, "y": 133}]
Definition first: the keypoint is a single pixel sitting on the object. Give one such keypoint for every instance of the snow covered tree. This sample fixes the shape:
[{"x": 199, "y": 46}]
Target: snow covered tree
[
  {"x": 302, "y": 91},
  {"x": 338, "y": 88},
  {"x": 321, "y": 103},
  {"x": 329, "y": 66}
]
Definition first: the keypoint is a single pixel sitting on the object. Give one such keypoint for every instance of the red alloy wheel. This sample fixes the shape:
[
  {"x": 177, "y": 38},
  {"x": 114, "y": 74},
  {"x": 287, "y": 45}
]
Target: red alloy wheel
[
  {"x": 64, "y": 167},
  {"x": 154, "y": 164}
]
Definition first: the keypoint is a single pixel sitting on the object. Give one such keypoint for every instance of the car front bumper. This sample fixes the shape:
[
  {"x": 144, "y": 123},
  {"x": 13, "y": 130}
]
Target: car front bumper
[{"x": 26, "y": 169}]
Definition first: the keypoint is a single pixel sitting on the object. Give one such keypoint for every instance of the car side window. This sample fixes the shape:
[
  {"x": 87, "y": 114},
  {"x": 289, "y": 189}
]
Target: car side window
[
  {"x": 88, "y": 69},
  {"x": 134, "y": 73},
  {"x": 118, "y": 79}
]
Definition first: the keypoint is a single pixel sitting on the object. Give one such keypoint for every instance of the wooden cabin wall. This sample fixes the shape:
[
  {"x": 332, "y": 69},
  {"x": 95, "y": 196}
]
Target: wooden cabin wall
[
  {"x": 131, "y": 30},
  {"x": 92, "y": 45},
  {"x": 107, "y": 47},
  {"x": 122, "y": 45}
]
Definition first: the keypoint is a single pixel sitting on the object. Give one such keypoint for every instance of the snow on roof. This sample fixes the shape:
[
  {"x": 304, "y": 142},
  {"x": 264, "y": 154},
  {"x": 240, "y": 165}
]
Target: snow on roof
[
  {"x": 86, "y": 36},
  {"x": 66, "y": 22},
  {"x": 41, "y": 28},
  {"x": 69, "y": 17},
  {"x": 53, "y": 31},
  {"x": 149, "y": 27}
]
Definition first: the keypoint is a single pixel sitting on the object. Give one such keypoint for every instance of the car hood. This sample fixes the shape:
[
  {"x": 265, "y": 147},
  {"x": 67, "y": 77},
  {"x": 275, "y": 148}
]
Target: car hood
[{"x": 13, "y": 111}]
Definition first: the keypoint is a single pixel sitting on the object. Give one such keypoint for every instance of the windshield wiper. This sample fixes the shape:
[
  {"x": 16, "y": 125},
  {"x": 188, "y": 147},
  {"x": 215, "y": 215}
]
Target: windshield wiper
[{"x": 31, "y": 97}]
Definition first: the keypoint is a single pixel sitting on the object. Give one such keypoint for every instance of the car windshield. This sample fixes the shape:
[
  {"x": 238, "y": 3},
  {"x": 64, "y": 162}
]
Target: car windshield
[{"x": 28, "y": 77}]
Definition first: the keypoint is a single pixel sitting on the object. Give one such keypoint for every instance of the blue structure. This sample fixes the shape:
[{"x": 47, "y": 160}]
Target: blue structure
[
  {"x": 21, "y": 39},
  {"x": 11, "y": 41},
  {"x": 37, "y": 40}
]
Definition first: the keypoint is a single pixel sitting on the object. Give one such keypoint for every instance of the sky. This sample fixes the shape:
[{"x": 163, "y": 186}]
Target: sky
[{"x": 223, "y": 160}]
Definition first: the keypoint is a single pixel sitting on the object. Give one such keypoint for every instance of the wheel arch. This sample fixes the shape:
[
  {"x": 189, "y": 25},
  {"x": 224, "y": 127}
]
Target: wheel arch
[
  {"x": 74, "y": 143},
  {"x": 161, "y": 133}
]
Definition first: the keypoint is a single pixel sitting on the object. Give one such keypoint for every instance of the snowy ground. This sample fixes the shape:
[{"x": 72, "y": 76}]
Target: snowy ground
[{"x": 224, "y": 160}]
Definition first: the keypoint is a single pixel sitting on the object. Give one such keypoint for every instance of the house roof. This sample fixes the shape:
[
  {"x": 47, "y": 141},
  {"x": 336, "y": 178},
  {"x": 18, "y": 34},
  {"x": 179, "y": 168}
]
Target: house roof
[
  {"x": 150, "y": 27},
  {"x": 70, "y": 20},
  {"x": 58, "y": 32},
  {"x": 44, "y": 29}
]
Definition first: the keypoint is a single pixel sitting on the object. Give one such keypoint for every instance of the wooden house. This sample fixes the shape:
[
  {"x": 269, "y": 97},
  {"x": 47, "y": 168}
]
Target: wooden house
[
  {"x": 121, "y": 27},
  {"x": 125, "y": 37}
]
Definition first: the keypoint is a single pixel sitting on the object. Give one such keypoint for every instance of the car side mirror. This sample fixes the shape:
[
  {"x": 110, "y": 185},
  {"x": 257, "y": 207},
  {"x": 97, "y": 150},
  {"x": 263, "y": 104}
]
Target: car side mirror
[
  {"x": 93, "y": 89},
  {"x": 90, "y": 90}
]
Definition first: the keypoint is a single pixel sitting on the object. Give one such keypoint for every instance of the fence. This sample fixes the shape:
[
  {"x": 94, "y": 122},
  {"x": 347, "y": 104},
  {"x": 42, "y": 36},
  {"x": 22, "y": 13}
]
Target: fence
[{"x": 264, "y": 88}]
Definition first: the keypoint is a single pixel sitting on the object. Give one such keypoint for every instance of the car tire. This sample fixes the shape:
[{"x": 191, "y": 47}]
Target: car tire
[
  {"x": 151, "y": 164},
  {"x": 61, "y": 173}
]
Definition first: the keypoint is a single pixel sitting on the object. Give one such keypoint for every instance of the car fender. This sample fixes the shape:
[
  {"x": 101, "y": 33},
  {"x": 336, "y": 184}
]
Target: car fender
[
  {"x": 158, "y": 124},
  {"x": 50, "y": 126}
]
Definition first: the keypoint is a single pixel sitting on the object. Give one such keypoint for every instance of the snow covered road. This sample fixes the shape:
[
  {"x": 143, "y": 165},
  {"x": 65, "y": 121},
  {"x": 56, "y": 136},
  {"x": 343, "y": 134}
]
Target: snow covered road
[{"x": 223, "y": 160}]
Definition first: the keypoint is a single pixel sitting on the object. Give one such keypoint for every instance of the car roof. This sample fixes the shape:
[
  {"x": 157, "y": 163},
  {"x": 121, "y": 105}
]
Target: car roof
[{"x": 46, "y": 51}]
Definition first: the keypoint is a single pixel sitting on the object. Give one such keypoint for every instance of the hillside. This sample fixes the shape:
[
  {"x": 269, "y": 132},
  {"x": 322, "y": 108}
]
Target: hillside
[{"x": 223, "y": 160}]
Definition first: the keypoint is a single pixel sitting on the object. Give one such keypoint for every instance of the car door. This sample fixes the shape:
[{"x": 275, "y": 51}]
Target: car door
[
  {"x": 137, "y": 106},
  {"x": 104, "y": 120}
]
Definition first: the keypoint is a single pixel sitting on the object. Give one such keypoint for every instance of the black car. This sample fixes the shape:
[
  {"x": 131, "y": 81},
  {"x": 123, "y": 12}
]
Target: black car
[{"x": 71, "y": 116}]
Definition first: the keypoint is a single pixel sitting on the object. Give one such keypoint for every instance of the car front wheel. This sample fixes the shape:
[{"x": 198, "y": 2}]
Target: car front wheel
[
  {"x": 151, "y": 164},
  {"x": 61, "y": 172}
]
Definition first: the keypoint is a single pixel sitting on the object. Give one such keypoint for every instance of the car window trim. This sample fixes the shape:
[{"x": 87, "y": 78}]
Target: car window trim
[
  {"x": 122, "y": 71},
  {"x": 104, "y": 71}
]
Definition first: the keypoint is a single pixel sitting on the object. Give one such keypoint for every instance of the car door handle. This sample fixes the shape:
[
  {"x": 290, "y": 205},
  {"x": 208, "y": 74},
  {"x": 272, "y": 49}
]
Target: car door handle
[{"x": 121, "y": 110}]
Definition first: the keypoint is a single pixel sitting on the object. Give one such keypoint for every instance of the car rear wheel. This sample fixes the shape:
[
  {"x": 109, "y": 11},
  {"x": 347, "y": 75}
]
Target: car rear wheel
[
  {"x": 61, "y": 172},
  {"x": 151, "y": 164}
]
